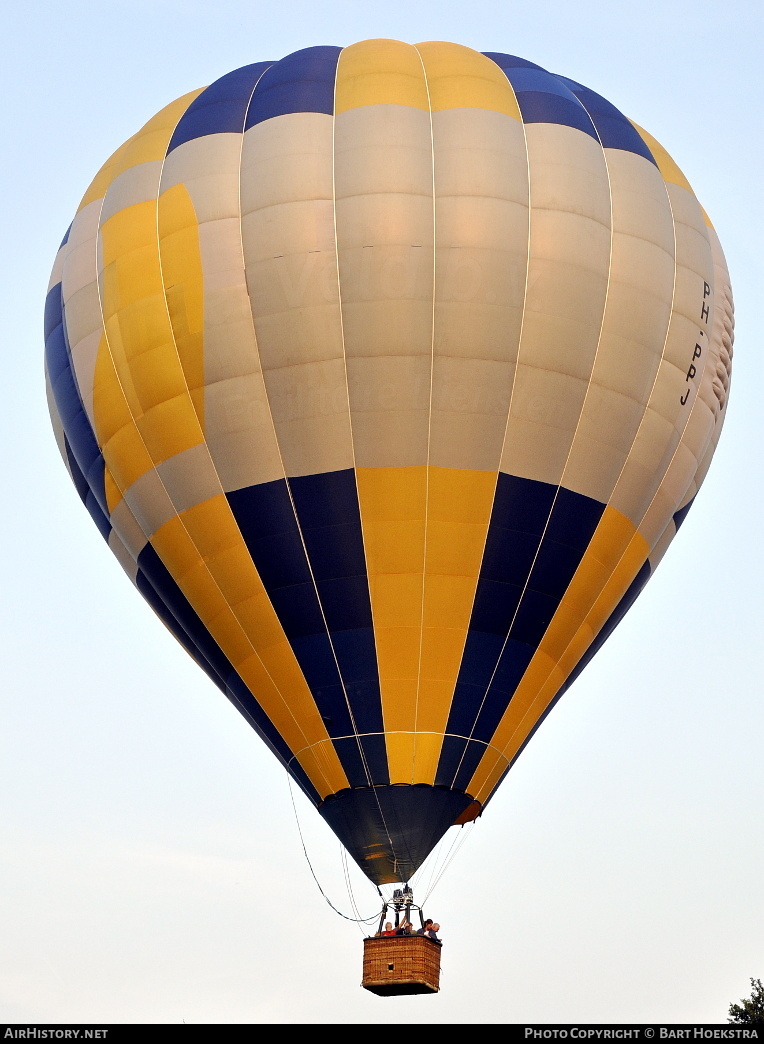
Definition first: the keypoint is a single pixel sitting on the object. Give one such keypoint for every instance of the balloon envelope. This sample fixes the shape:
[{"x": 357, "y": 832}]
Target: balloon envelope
[{"x": 388, "y": 373}]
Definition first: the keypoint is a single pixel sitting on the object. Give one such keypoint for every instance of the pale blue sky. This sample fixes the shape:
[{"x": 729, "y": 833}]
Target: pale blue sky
[{"x": 151, "y": 868}]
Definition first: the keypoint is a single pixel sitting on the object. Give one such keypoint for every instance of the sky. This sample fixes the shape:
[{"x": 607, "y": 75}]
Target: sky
[{"x": 151, "y": 868}]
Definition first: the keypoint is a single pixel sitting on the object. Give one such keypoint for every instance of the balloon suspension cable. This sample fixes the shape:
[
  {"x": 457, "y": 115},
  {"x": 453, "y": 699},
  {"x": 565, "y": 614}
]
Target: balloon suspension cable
[
  {"x": 356, "y": 920},
  {"x": 349, "y": 887},
  {"x": 455, "y": 846}
]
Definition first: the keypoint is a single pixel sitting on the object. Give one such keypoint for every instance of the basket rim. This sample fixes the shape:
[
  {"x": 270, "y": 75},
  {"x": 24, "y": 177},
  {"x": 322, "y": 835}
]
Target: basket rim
[{"x": 387, "y": 939}]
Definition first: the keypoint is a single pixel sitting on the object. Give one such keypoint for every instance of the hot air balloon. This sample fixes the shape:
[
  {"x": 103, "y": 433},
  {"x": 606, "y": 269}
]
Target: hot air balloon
[{"x": 388, "y": 373}]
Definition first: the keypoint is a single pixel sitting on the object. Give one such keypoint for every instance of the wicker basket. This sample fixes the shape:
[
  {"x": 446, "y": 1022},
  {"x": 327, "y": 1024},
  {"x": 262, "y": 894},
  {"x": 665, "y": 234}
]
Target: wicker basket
[{"x": 401, "y": 964}]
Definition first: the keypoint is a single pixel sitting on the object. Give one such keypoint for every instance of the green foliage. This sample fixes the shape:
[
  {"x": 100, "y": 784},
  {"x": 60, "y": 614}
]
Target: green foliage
[{"x": 751, "y": 1009}]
